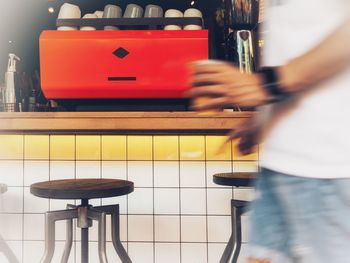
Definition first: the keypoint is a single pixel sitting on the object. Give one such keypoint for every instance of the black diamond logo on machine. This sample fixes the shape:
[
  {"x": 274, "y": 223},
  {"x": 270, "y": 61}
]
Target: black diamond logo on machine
[{"x": 121, "y": 52}]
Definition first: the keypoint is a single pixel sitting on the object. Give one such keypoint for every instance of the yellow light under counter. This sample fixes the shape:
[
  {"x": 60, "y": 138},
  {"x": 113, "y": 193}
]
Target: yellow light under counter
[
  {"x": 140, "y": 148},
  {"x": 37, "y": 147},
  {"x": 11, "y": 147},
  {"x": 88, "y": 147},
  {"x": 113, "y": 148},
  {"x": 62, "y": 147},
  {"x": 166, "y": 148},
  {"x": 192, "y": 148},
  {"x": 217, "y": 149}
]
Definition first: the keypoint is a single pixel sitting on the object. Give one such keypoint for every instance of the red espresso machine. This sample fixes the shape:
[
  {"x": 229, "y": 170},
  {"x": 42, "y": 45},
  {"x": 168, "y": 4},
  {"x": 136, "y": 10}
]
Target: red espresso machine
[{"x": 124, "y": 65}]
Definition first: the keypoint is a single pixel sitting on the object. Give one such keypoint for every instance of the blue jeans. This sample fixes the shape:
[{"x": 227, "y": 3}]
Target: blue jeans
[{"x": 303, "y": 220}]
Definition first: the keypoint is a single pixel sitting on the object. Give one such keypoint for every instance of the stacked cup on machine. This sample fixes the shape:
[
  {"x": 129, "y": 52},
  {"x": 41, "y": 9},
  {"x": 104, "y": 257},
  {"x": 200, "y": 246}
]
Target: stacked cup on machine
[
  {"x": 112, "y": 11},
  {"x": 88, "y": 28},
  {"x": 174, "y": 13},
  {"x": 70, "y": 11}
]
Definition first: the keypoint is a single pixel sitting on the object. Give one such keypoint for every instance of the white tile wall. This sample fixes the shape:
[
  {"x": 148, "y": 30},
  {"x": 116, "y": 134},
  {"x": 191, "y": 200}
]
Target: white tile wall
[
  {"x": 11, "y": 173},
  {"x": 12, "y": 200},
  {"x": 88, "y": 169},
  {"x": 194, "y": 253},
  {"x": 11, "y": 227},
  {"x": 141, "y": 173},
  {"x": 193, "y": 229},
  {"x": 141, "y": 252},
  {"x": 218, "y": 203},
  {"x": 60, "y": 170},
  {"x": 33, "y": 251},
  {"x": 167, "y": 252},
  {"x": 36, "y": 171},
  {"x": 193, "y": 201},
  {"x": 219, "y": 228},
  {"x": 166, "y": 201},
  {"x": 34, "y": 227},
  {"x": 215, "y": 251},
  {"x": 140, "y": 228},
  {"x": 114, "y": 169},
  {"x": 192, "y": 174},
  {"x": 167, "y": 228},
  {"x": 141, "y": 201},
  {"x": 166, "y": 174},
  {"x": 33, "y": 204}
]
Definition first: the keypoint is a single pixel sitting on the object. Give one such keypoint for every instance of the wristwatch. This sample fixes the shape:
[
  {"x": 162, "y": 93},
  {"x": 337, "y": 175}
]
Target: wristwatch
[{"x": 272, "y": 85}]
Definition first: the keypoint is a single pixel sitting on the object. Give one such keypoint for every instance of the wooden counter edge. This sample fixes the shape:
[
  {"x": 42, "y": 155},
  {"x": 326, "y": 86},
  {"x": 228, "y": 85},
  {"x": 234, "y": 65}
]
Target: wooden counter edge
[{"x": 120, "y": 122}]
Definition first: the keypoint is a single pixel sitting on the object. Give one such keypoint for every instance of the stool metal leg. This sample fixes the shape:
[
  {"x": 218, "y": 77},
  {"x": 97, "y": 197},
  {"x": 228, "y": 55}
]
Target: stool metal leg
[
  {"x": 101, "y": 219},
  {"x": 233, "y": 246},
  {"x": 118, "y": 246},
  {"x": 49, "y": 237},
  {"x": 69, "y": 237},
  {"x": 50, "y": 219},
  {"x": 7, "y": 251},
  {"x": 113, "y": 210},
  {"x": 69, "y": 241}
]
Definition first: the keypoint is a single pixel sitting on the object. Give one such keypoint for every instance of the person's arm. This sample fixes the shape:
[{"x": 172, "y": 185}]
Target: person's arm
[
  {"x": 328, "y": 58},
  {"x": 228, "y": 86}
]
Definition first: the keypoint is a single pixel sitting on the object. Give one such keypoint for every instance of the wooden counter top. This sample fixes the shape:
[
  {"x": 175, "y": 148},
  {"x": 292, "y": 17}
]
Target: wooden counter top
[{"x": 120, "y": 122}]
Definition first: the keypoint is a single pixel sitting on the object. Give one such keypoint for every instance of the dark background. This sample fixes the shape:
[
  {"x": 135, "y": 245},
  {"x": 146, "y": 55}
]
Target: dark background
[{"x": 21, "y": 22}]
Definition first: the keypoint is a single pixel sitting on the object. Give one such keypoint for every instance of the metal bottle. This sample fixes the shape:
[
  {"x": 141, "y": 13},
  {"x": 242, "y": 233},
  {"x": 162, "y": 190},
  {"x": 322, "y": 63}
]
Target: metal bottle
[{"x": 10, "y": 94}]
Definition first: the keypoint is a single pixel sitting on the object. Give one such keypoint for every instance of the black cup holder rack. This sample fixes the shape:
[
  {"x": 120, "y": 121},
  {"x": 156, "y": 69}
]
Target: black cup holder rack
[{"x": 153, "y": 23}]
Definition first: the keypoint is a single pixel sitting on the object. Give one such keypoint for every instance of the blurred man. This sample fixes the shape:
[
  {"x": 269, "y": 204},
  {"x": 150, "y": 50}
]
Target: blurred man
[{"x": 302, "y": 208}]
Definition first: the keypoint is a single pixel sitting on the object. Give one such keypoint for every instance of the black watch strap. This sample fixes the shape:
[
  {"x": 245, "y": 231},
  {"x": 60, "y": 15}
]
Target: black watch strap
[{"x": 272, "y": 84}]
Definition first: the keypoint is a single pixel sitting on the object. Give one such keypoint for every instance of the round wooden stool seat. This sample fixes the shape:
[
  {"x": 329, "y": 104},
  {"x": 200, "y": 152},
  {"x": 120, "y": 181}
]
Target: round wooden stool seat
[
  {"x": 242, "y": 179},
  {"x": 82, "y": 188}
]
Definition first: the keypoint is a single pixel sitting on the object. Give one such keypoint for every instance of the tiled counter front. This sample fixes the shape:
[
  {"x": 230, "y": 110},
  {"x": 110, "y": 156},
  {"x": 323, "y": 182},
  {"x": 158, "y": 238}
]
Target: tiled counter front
[{"x": 176, "y": 213}]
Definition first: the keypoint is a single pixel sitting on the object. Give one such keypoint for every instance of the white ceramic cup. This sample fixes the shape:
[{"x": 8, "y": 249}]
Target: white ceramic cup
[
  {"x": 69, "y": 11},
  {"x": 133, "y": 11},
  {"x": 99, "y": 13},
  {"x": 88, "y": 28},
  {"x": 192, "y": 12},
  {"x": 153, "y": 11},
  {"x": 173, "y": 13},
  {"x": 112, "y": 11}
]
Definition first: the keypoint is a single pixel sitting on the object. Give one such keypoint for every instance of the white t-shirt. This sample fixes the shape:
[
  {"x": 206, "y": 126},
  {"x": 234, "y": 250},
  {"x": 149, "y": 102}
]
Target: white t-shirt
[{"x": 309, "y": 136}]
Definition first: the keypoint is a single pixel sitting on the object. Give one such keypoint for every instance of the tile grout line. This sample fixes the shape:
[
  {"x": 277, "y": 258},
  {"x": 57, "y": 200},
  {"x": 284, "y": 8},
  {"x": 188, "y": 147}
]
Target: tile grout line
[
  {"x": 74, "y": 221},
  {"x": 49, "y": 167},
  {"x": 206, "y": 197},
  {"x": 179, "y": 174},
  {"x": 153, "y": 215},
  {"x": 101, "y": 163},
  {"x": 23, "y": 174},
  {"x": 127, "y": 197}
]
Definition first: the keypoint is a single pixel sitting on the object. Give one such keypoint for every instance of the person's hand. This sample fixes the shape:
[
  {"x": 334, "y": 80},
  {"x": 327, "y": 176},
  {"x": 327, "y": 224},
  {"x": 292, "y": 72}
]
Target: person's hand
[
  {"x": 226, "y": 86},
  {"x": 248, "y": 134}
]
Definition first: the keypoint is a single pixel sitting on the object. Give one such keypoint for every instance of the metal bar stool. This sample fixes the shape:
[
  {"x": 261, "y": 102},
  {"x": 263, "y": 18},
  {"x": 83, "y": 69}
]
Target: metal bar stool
[
  {"x": 238, "y": 208},
  {"x": 83, "y": 189},
  {"x": 4, "y": 247}
]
